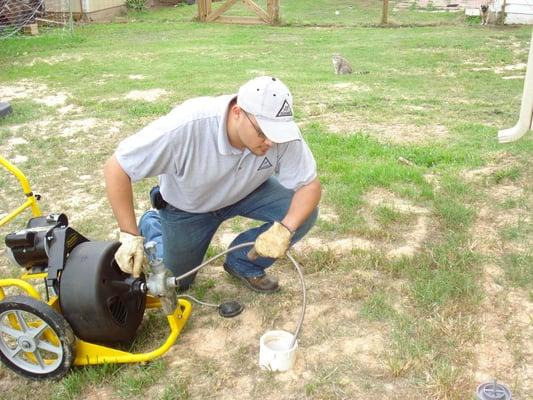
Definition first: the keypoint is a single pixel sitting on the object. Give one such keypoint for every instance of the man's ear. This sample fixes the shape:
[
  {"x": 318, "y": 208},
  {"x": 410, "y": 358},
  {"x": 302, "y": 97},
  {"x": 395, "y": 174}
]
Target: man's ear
[{"x": 235, "y": 110}]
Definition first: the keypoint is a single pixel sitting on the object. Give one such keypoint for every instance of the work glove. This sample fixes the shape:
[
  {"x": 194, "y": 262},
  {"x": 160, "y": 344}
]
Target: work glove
[
  {"x": 130, "y": 255},
  {"x": 274, "y": 242}
]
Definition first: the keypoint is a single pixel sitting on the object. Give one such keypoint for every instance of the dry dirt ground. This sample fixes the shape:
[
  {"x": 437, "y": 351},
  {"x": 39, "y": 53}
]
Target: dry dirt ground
[{"x": 339, "y": 354}]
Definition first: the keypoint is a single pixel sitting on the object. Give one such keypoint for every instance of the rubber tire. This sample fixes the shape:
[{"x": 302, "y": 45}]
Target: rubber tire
[{"x": 55, "y": 321}]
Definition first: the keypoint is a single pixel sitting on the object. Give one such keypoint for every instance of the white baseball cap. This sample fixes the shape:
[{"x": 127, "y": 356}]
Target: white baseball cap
[{"x": 270, "y": 102}]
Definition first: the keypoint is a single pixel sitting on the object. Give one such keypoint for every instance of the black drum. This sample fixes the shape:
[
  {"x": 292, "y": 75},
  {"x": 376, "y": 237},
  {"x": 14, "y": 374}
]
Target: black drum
[{"x": 97, "y": 299}]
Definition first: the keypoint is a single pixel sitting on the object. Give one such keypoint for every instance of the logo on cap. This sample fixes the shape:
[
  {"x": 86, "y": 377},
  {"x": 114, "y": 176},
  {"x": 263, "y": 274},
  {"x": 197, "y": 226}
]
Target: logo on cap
[{"x": 285, "y": 110}]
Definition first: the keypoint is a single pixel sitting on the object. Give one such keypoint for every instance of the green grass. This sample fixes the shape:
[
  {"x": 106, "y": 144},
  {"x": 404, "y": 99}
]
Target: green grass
[
  {"x": 73, "y": 385},
  {"x": 519, "y": 270},
  {"x": 377, "y": 307},
  {"x": 135, "y": 381},
  {"x": 511, "y": 174},
  {"x": 446, "y": 274}
]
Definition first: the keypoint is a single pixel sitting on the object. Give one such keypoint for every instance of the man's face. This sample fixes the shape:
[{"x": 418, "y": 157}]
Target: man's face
[{"x": 252, "y": 136}]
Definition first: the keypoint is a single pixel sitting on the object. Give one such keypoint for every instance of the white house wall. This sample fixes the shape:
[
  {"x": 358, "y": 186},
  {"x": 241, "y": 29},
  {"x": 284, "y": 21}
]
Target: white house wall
[
  {"x": 97, "y": 5},
  {"x": 88, "y": 6},
  {"x": 517, "y": 11}
]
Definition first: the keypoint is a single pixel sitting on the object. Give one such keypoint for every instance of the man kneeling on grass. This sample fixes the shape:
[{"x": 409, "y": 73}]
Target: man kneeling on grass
[{"x": 217, "y": 158}]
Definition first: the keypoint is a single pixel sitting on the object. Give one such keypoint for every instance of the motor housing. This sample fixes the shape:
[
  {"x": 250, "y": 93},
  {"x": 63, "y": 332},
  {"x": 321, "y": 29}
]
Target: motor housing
[
  {"x": 29, "y": 247},
  {"x": 101, "y": 303}
]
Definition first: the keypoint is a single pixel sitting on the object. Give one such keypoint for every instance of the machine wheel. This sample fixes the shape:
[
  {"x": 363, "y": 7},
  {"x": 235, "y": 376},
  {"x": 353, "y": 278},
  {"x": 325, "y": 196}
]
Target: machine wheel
[{"x": 35, "y": 340}]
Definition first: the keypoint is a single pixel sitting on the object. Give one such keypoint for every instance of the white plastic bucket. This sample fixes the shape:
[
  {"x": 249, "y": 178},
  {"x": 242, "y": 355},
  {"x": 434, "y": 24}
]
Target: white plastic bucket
[{"x": 274, "y": 351}]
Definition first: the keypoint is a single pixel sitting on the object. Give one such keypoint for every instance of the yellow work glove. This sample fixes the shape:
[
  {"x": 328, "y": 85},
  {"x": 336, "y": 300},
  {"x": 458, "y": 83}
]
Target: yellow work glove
[
  {"x": 130, "y": 255},
  {"x": 274, "y": 242}
]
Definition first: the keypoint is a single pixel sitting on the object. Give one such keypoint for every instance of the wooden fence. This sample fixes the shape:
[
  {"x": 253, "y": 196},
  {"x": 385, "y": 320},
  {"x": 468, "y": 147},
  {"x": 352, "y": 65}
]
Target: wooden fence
[{"x": 270, "y": 16}]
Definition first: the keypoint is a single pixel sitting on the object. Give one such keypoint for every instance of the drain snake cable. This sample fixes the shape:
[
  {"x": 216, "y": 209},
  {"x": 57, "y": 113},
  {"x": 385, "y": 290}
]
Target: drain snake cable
[{"x": 240, "y": 246}]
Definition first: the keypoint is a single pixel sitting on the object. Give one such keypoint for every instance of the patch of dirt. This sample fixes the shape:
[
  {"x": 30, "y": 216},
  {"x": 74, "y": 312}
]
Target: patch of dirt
[
  {"x": 415, "y": 236},
  {"x": 226, "y": 233},
  {"x": 350, "y": 87},
  {"x": 209, "y": 340},
  {"x": 505, "y": 329},
  {"x": 70, "y": 110},
  {"x": 13, "y": 142},
  {"x": 75, "y": 127},
  {"x": 514, "y": 67},
  {"x": 37, "y": 92},
  {"x": 411, "y": 240},
  {"x": 433, "y": 180},
  {"x": 85, "y": 204},
  {"x": 487, "y": 230},
  {"x": 492, "y": 218},
  {"x": 503, "y": 70},
  {"x": 149, "y": 95},
  {"x": 345, "y": 123},
  {"x": 314, "y": 108},
  {"x": 61, "y": 58},
  {"x": 19, "y": 159},
  {"x": 379, "y": 197},
  {"x": 338, "y": 246},
  {"x": 68, "y": 127},
  {"x": 414, "y": 239},
  {"x": 256, "y": 72},
  {"x": 136, "y": 77},
  {"x": 503, "y": 352},
  {"x": 101, "y": 393},
  {"x": 56, "y": 100},
  {"x": 23, "y": 89},
  {"x": 501, "y": 162},
  {"x": 327, "y": 214}
]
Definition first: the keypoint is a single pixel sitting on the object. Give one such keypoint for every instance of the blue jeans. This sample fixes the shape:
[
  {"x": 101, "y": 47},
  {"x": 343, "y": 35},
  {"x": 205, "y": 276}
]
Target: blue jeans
[{"x": 183, "y": 237}]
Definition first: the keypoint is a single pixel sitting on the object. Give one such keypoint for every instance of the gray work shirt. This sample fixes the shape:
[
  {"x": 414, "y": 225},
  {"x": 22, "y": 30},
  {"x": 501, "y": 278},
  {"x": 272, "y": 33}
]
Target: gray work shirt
[{"x": 198, "y": 169}]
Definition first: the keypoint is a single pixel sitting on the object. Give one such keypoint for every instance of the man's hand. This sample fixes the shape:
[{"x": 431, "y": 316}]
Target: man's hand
[
  {"x": 130, "y": 255},
  {"x": 274, "y": 242}
]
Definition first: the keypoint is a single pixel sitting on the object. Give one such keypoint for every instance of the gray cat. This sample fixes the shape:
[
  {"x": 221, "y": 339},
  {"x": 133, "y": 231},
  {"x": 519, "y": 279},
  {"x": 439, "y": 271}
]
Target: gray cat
[{"x": 341, "y": 65}]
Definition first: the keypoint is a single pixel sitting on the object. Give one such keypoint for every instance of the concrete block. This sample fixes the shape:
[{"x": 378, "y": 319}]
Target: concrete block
[
  {"x": 31, "y": 29},
  {"x": 472, "y": 12}
]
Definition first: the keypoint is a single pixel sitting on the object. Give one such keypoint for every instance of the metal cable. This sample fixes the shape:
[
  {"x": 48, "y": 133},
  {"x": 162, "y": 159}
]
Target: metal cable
[
  {"x": 249, "y": 244},
  {"x": 188, "y": 296}
]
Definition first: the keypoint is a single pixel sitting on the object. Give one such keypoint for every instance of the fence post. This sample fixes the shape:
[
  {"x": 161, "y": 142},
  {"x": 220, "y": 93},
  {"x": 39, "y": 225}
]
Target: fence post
[
  {"x": 501, "y": 17},
  {"x": 273, "y": 11},
  {"x": 204, "y": 8},
  {"x": 385, "y": 13}
]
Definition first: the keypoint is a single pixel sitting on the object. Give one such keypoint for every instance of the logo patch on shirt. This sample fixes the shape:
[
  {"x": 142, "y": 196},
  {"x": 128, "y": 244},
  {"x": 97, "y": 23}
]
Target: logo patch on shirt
[
  {"x": 265, "y": 164},
  {"x": 285, "y": 110}
]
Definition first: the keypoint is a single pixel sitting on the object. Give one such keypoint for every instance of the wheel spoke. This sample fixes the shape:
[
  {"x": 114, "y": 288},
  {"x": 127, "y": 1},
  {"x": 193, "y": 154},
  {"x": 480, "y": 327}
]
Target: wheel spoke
[
  {"x": 15, "y": 333},
  {"x": 30, "y": 341},
  {"x": 22, "y": 322},
  {"x": 12, "y": 353},
  {"x": 49, "y": 347},
  {"x": 36, "y": 332},
  {"x": 39, "y": 358}
]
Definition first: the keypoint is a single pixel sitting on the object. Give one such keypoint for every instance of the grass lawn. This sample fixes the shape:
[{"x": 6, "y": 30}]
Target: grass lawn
[{"x": 419, "y": 270}]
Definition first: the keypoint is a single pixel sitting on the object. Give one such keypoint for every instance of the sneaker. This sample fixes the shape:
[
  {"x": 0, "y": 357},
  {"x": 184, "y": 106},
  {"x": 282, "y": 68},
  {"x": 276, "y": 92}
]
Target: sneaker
[{"x": 261, "y": 284}]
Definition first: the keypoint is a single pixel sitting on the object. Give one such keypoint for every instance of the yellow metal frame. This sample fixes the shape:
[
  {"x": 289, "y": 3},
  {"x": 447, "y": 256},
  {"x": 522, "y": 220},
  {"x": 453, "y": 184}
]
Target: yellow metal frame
[
  {"x": 91, "y": 354},
  {"x": 31, "y": 201},
  {"x": 88, "y": 353}
]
